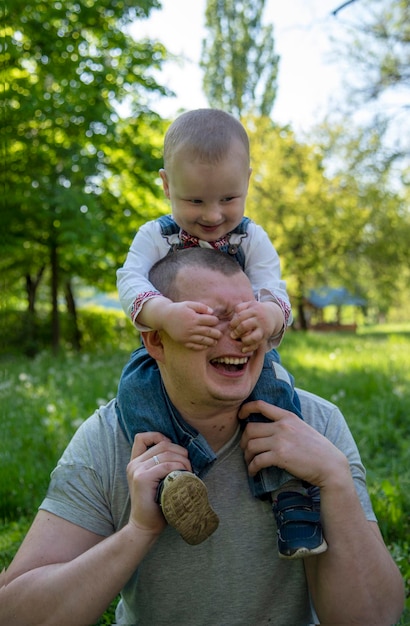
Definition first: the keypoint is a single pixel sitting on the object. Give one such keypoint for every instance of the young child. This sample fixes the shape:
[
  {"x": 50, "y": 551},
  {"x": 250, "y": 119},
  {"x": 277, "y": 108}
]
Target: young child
[{"x": 206, "y": 175}]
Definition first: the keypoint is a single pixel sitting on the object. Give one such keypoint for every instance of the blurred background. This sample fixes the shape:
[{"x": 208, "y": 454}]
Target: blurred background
[
  {"x": 89, "y": 89},
  {"x": 322, "y": 87}
]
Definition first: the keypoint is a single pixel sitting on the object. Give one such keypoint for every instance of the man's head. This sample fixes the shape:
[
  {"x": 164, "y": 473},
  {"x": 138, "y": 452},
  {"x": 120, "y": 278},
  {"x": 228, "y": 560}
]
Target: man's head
[
  {"x": 206, "y": 172},
  {"x": 219, "y": 377},
  {"x": 164, "y": 275}
]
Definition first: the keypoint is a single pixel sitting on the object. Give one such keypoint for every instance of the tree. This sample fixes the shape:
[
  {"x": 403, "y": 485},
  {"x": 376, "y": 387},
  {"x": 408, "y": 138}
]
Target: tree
[
  {"x": 379, "y": 45},
  {"x": 239, "y": 58},
  {"x": 67, "y": 65},
  {"x": 329, "y": 230},
  {"x": 376, "y": 50},
  {"x": 361, "y": 164},
  {"x": 340, "y": 227}
]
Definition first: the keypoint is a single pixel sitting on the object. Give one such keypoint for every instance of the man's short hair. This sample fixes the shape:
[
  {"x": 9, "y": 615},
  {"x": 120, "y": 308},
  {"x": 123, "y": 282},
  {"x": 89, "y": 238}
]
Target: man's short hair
[{"x": 164, "y": 272}]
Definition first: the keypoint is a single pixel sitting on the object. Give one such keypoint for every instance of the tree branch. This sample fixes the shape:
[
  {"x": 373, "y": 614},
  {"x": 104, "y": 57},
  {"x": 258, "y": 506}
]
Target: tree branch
[{"x": 342, "y": 6}]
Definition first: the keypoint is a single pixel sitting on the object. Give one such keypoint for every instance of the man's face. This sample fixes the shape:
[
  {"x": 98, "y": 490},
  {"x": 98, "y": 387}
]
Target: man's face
[{"x": 220, "y": 376}]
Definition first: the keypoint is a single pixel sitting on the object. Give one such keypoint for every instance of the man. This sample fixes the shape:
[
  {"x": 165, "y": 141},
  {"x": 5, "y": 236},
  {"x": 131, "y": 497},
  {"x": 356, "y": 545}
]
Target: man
[{"x": 100, "y": 530}]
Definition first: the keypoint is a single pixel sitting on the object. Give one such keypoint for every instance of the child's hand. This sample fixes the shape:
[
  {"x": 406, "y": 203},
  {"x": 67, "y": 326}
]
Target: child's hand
[
  {"x": 255, "y": 322},
  {"x": 192, "y": 323}
]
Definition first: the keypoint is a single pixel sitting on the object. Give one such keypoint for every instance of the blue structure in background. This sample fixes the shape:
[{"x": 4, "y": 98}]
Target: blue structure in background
[
  {"x": 339, "y": 297},
  {"x": 326, "y": 296}
]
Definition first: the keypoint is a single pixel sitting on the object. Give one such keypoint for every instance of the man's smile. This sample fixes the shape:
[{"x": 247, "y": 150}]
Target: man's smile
[{"x": 230, "y": 363}]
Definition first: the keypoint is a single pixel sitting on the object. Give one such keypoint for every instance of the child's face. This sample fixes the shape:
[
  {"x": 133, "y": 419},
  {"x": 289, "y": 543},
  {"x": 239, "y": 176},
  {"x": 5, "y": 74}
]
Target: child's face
[{"x": 208, "y": 199}]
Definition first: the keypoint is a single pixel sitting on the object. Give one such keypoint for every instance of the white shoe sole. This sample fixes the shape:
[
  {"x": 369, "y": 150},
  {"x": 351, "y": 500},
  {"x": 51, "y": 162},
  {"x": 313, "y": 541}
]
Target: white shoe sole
[{"x": 304, "y": 553}]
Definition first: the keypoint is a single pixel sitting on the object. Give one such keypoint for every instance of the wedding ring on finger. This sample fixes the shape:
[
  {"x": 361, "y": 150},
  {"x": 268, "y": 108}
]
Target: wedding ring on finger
[{"x": 155, "y": 459}]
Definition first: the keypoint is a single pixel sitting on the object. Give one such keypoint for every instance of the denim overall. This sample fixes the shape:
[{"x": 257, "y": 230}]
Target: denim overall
[{"x": 142, "y": 403}]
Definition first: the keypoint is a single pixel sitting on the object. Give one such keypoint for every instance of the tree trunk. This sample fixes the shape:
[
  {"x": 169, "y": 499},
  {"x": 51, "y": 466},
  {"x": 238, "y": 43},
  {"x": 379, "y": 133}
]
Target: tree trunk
[
  {"x": 72, "y": 313},
  {"x": 55, "y": 323},
  {"x": 303, "y": 325},
  {"x": 32, "y": 284},
  {"x": 303, "y": 322},
  {"x": 31, "y": 289}
]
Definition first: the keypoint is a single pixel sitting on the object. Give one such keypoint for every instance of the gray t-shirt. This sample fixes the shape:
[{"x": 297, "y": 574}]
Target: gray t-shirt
[{"x": 234, "y": 578}]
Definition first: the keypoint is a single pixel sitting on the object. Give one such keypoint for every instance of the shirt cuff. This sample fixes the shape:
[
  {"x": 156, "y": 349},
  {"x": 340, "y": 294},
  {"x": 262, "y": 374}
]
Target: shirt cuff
[{"x": 137, "y": 305}]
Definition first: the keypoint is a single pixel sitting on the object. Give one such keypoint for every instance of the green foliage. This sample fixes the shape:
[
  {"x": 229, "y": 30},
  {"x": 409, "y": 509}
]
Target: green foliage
[
  {"x": 45, "y": 399},
  {"x": 378, "y": 44},
  {"x": 368, "y": 376},
  {"x": 77, "y": 181},
  {"x": 348, "y": 229},
  {"x": 366, "y": 178},
  {"x": 374, "y": 47},
  {"x": 11, "y": 536},
  {"x": 312, "y": 226},
  {"x": 239, "y": 58},
  {"x": 98, "y": 330}
]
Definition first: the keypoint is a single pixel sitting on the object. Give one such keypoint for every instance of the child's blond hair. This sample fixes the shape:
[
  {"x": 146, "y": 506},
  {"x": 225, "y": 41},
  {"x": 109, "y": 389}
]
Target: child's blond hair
[{"x": 206, "y": 133}]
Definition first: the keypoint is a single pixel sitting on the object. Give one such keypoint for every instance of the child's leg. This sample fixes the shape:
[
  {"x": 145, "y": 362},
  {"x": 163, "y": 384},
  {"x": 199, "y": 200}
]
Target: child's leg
[
  {"x": 275, "y": 385},
  {"x": 296, "y": 512},
  {"x": 142, "y": 405},
  {"x": 139, "y": 390}
]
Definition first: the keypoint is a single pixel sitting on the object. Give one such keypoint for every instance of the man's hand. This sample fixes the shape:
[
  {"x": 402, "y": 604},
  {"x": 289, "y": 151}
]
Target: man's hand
[
  {"x": 291, "y": 444},
  {"x": 153, "y": 456},
  {"x": 255, "y": 322}
]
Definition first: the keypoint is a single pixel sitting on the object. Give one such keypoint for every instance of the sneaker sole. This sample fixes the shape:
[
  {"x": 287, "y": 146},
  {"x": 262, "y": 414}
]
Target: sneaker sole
[
  {"x": 303, "y": 552},
  {"x": 185, "y": 506}
]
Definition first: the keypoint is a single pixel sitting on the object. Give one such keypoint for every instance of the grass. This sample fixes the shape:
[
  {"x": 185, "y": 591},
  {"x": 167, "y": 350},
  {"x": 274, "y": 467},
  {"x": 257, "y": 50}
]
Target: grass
[{"x": 44, "y": 400}]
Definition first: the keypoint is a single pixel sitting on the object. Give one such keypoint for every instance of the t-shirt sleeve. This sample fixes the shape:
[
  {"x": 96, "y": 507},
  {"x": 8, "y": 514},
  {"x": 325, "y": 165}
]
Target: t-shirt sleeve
[
  {"x": 329, "y": 421},
  {"x": 79, "y": 487}
]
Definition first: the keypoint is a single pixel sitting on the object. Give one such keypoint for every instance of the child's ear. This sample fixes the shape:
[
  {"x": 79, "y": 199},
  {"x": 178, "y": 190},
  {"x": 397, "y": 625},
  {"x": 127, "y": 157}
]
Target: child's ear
[{"x": 165, "y": 184}]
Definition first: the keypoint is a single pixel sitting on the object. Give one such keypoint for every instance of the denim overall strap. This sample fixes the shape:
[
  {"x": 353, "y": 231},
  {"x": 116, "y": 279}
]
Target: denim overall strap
[
  {"x": 168, "y": 225},
  {"x": 275, "y": 386},
  {"x": 234, "y": 247},
  {"x": 170, "y": 231},
  {"x": 142, "y": 405},
  {"x": 200, "y": 453}
]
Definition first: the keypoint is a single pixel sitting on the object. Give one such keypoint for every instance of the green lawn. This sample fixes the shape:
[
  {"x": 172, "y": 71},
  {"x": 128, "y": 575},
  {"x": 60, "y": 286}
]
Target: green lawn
[{"x": 367, "y": 374}]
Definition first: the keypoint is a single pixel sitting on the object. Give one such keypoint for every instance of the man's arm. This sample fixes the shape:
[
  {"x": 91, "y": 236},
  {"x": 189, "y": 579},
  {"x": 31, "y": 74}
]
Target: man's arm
[
  {"x": 355, "y": 581},
  {"x": 66, "y": 575}
]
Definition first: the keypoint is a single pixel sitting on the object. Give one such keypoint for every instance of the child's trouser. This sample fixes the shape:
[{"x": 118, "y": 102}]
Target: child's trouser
[{"x": 143, "y": 405}]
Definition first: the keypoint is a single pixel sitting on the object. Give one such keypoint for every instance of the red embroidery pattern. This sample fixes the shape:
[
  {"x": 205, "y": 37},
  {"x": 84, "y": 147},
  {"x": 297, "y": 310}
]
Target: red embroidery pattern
[
  {"x": 139, "y": 301},
  {"x": 285, "y": 309},
  {"x": 188, "y": 241}
]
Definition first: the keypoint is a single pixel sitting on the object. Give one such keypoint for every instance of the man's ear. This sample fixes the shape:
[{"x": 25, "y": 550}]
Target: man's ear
[{"x": 153, "y": 344}]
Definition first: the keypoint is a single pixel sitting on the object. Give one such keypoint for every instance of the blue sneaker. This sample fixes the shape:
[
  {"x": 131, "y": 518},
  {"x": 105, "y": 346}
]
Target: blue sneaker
[{"x": 299, "y": 529}]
